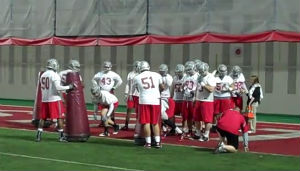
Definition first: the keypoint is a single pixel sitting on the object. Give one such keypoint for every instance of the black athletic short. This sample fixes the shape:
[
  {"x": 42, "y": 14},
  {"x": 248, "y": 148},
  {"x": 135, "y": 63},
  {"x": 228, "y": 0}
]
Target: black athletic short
[{"x": 232, "y": 139}]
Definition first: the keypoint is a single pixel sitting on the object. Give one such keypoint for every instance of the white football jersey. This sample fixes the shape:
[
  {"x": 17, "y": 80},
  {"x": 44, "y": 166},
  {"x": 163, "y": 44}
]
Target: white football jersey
[
  {"x": 129, "y": 89},
  {"x": 202, "y": 93},
  {"x": 63, "y": 76},
  {"x": 108, "y": 80},
  {"x": 178, "y": 88},
  {"x": 221, "y": 85},
  {"x": 239, "y": 85},
  {"x": 49, "y": 79},
  {"x": 147, "y": 84},
  {"x": 106, "y": 98},
  {"x": 167, "y": 81},
  {"x": 190, "y": 85}
]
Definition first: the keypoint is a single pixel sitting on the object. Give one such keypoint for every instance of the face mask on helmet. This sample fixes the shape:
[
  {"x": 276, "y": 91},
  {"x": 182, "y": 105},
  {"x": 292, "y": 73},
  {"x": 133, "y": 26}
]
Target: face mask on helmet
[
  {"x": 136, "y": 66},
  {"x": 203, "y": 69},
  {"x": 107, "y": 66},
  {"x": 53, "y": 65},
  {"x": 236, "y": 71},
  {"x": 190, "y": 69},
  {"x": 222, "y": 70},
  {"x": 163, "y": 69},
  {"x": 74, "y": 65}
]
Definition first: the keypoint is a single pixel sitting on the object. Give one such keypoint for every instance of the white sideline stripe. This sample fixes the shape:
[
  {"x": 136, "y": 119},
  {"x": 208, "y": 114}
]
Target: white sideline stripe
[{"x": 67, "y": 161}]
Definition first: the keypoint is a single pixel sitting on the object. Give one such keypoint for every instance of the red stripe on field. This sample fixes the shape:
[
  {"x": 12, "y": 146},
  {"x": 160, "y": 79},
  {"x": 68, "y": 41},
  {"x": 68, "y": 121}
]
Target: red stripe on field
[{"x": 282, "y": 146}]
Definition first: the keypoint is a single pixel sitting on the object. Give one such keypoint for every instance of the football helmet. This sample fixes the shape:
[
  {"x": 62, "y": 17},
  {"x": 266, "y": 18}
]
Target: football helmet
[
  {"x": 179, "y": 70},
  {"x": 189, "y": 62},
  {"x": 95, "y": 90},
  {"x": 144, "y": 66},
  {"x": 107, "y": 66},
  {"x": 236, "y": 71},
  {"x": 222, "y": 70},
  {"x": 203, "y": 69},
  {"x": 136, "y": 65},
  {"x": 52, "y": 64},
  {"x": 190, "y": 68},
  {"x": 163, "y": 69},
  {"x": 74, "y": 65}
]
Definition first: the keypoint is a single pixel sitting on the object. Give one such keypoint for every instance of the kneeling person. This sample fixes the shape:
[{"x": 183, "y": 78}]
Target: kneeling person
[
  {"x": 109, "y": 103},
  {"x": 228, "y": 126}
]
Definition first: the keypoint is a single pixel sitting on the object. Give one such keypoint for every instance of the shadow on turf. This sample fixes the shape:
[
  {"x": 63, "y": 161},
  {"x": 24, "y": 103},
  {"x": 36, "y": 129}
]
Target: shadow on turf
[
  {"x": 29, "y": 138},
  {"x": 110, "y": 142}
]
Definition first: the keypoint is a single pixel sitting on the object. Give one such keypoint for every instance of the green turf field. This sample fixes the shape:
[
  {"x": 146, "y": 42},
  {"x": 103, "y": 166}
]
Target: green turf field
[{"x": 18, "y": 151}]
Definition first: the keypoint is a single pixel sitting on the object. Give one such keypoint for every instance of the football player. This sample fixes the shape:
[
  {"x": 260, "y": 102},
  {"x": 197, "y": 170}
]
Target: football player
[
  {"x": 131, "y": 94},
  {"x": 52, "y": 106},
  {"x": 107, "y": 80},
  {"x": 177, "y": 88},
  {"x": 204, "y": 105},
  {"x": 149, "y": 84},
  {"x": 167, "y": 103},
  {"x": 222, "y": 93},
  {"x": 189, "y": 88},
  {"x": 109, "y": 103},
  {"x": 73, "y": 66},
  {"x": 240, "y": 87}
]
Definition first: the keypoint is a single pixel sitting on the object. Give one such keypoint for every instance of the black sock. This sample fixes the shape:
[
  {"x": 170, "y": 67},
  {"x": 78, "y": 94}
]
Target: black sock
[{"x": 170, "y": 123}]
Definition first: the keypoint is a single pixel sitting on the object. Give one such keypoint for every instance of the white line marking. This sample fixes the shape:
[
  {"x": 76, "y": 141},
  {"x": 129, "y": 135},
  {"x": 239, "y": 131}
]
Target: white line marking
[{"x": 68, "y": 161}]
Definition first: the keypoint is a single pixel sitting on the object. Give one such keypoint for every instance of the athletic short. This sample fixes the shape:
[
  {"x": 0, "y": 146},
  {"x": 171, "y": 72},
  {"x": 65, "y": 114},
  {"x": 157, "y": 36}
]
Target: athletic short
[
  {"x": 232, "y": 139},
  {"x": 187, "y": 110},
  {"x": 237, "y": 101},
  {"x": 170, "y": 111},
  {"x": 197, "y": 112},
  {"x": 132, "y": 103},
  {"x": 100, "y": 107},
  {"x": 149, "y": 114},
  {"x": 221, "y": 105},
  {"x": 178, "y": 108},
  {"x": 204, "y": 111},
  {"x": 52, "y": 110}
]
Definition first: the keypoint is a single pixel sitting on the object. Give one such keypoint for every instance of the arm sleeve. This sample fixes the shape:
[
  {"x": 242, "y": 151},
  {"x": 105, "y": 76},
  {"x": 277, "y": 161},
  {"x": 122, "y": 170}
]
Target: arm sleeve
[
  {"x": 127, "y": 85},
  {"x": 59, "y": 87}
]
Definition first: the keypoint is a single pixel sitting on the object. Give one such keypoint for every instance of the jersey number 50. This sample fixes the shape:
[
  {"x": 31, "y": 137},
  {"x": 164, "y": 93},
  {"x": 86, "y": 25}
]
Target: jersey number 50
[{"x": 147, "y": 82}]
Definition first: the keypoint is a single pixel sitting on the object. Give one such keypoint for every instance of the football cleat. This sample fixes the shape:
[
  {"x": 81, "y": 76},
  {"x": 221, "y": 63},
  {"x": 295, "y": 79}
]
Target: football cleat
[
  {"x": 158, "y": 145},
  {"x": 116, "y": 129},
  {"x": 104, "y": 134},
  {"x": 62, "y": 139},
  {"x": 220, "y": 149},
  {"x": 124, "y": 128},
  {"x": 38, "y": 136},
  {"x": 147, "y": 145},
  {"x": 204, "y": 138}
]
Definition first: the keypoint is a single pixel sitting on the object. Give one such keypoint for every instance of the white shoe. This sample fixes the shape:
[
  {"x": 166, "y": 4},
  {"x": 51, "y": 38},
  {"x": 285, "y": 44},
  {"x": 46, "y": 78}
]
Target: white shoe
[
  {"x": 104, "y": 134},
  {"x": 178, "y": 130}
]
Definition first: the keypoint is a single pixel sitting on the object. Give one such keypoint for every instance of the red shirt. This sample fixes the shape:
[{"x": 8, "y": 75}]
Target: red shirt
[{"x": 231, "y": 121}]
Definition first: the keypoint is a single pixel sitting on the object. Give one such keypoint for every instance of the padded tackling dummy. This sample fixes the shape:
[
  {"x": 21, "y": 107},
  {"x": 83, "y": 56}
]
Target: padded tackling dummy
[{"x": 77, "y": 124}]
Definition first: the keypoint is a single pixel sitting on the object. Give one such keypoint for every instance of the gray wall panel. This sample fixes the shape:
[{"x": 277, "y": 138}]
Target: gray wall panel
[{"x": 19, "y": 70}]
